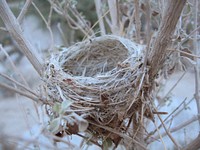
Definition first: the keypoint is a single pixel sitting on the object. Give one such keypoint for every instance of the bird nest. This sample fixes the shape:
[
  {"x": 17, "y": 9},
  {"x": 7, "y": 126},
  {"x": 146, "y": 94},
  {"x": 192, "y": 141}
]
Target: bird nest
[{"x": 97, "y": 86}]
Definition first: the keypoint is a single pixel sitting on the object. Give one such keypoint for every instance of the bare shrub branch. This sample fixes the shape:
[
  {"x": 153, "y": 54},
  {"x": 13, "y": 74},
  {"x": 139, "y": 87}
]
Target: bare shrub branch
[
  {"x": 15, "y": 31},
  {"x": 170, "y": 18}
]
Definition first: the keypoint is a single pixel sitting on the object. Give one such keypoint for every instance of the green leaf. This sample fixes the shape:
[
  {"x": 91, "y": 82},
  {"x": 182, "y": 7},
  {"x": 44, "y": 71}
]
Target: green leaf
[
  {"x": 57, "y": 107},
  {"x": 107, "y": 144},
  {"x": 54, "y": 125},
  {"x": 64, "y": 106}
]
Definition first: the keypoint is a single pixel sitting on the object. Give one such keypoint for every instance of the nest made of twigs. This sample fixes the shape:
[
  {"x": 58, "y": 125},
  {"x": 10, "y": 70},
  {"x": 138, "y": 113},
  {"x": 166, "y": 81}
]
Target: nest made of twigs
[{"x": 96, "y": 86}]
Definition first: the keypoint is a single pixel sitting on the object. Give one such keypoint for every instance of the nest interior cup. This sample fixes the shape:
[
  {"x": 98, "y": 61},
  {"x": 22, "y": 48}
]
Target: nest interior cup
[{"x": 98, "y": 77}]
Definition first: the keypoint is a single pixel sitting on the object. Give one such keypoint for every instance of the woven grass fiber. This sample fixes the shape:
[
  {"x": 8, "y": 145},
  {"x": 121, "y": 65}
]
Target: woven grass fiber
[{"x": 97, "y": 86}]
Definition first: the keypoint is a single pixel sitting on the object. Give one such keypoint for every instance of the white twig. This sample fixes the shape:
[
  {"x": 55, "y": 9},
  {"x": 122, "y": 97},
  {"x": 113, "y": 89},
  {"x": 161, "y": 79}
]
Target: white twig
[
  {"x": 13, "y": 65},
  {"x": 178, "y": 127},
  {"x": 15, "y": 31},
  {"x": 3, "y": 29},
  {"x": 24, "y": 10},
  {"x": 18, "y": 84},
  {"x": 98, "y": 5},
  {"x": 47, "y": 24},
  {"x": 112, "y": 4},
  {"x": 23, "y": 93},
  {"x": 196, "y": 67}
]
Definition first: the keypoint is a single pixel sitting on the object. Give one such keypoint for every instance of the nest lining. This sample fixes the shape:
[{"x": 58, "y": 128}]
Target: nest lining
[{"x": 99, "y": 78}]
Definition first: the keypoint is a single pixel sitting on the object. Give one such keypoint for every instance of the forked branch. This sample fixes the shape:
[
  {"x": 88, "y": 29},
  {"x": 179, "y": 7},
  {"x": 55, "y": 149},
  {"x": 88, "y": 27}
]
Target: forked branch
[{"x": 15, "y": 31}]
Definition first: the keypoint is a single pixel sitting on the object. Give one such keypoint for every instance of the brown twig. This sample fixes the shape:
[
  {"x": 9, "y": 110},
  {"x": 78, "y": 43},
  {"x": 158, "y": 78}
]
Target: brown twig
[
  {"x": 120, "y": 134},
  {"x": 158, "y": 53},
  {"x": 176, "y": 50},
  {"x": 148, "y": 20},
  {"x": 137, "y": 20},
  {"x": 160, "y": 136},
  {"x": 168, "y": 133},
  {"x": 194, "y": 145},
  {"x": 166, "y": 119}
]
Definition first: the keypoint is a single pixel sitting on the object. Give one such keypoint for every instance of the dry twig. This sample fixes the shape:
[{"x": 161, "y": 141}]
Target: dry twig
[{"x": 15, "y": 31}]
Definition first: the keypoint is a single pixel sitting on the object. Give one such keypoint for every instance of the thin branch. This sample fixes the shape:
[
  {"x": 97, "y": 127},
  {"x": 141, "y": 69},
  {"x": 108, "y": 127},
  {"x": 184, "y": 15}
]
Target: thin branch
[
  {"x": 196, "y": 67},
  {"x": 104, "y": 15},
  {"x": 98, "y": 5},
  {"x": 178, "y": 127},
  {"x": 24, "y": 10},
  {"x": 23, "y": 93},
  {"x": 47, "y": 25},
  {"x": 112, "y": 4},
  {"x": 15, "y": 31},
  {"x": 160, "y": 136},
  {"x": 137, "y": 20},
  {"x": 50, "y": 16},
  {"x": 166, "y": 119},
  {"x": 120, "y": 134},
  {"x": 176, "y": 50},
  {"x": 62, "y": 33},
  {"x": 148, "y": 22},
  {"x": 80, "y": 19},
  {"x": 18, "y": 84},
  {"x": 168, "y": 133},
  {"x": 194, "y": 31},
  {"x": 173, "y": 87},
  {"x": 71, "y": 22},
  {"x": 183, "y": 102},
  {"x": 13, "y": 65}
]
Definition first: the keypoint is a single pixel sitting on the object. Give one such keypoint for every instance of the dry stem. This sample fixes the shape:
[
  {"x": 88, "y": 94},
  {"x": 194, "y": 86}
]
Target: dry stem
[
  {"x": 196, "y": 67},
  {"x": 166, "y": 29},
  {"x": 169, "y": 134},
  {"x": 15, "y": 31},
  {"x": 98, "y": 5},
  {"x": 113, "y": 7},
  {"x": 178, "y": 127},
  {"x": 24, "y": 10},
  {"x": 137, "y": 20}
]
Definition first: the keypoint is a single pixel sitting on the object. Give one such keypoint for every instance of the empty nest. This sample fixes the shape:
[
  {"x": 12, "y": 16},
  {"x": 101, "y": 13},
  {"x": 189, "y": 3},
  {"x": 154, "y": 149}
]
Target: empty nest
[{"x": 98, "y": 86}]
